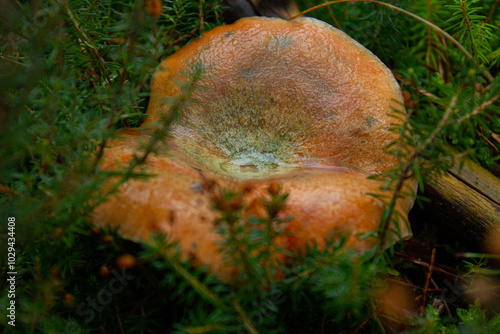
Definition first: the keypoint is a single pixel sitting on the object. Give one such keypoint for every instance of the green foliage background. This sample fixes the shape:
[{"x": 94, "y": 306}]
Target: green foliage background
[{"x": 73, "y": 73}]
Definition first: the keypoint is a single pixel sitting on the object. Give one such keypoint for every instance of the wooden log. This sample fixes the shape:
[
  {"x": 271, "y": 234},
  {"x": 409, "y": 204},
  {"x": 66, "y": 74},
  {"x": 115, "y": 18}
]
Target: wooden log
[{"x": 464, "y": 205}]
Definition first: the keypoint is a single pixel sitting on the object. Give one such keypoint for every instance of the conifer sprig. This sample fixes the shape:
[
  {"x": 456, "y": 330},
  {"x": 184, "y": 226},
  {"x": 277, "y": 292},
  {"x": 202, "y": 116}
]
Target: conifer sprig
[{"x": 471, "y": 29}]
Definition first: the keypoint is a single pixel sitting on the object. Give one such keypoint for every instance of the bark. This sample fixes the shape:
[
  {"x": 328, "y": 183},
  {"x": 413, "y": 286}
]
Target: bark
[{"x": 464, "y": 205}]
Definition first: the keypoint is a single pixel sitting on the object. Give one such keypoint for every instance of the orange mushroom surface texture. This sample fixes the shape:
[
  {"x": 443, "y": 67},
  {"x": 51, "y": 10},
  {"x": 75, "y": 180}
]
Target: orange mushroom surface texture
[{"x": 295, "y": 102}]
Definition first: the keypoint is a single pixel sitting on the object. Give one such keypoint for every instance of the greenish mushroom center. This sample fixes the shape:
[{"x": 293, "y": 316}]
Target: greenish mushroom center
[{"x": 247, "y": 133}]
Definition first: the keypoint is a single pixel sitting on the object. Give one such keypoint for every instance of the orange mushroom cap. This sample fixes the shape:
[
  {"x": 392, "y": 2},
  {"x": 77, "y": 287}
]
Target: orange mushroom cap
[{"x": 297, "y": 102}]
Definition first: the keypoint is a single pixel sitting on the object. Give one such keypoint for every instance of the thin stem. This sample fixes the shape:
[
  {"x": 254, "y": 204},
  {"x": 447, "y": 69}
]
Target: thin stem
[
  {"x": 89, "y": 43},
  {"x": 244, "y": 317},
  {"x": 12, "y": 61},
  {"x": 428, "y": 277},
  {"x": 492, "y": 11},
  {"x": 480, "y": 108},
  {"x": 160, "y": 133},
  {"x": 201, "y": 288},
  {"x": 469, "y": 29},
  {"x": 178, "y": 14},
  {"x": 202, "y": 24},
  {"x": 405, "y": 173},
  {"x": 438, "y": 128}
]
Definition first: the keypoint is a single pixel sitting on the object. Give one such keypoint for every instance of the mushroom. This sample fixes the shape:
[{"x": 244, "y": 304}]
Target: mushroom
[{"x": 296, "y": 102}]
